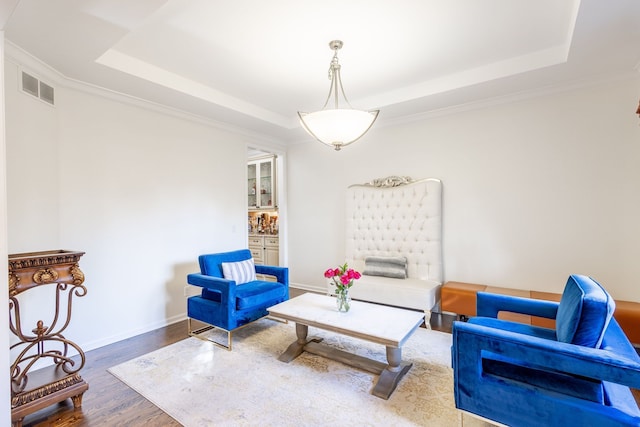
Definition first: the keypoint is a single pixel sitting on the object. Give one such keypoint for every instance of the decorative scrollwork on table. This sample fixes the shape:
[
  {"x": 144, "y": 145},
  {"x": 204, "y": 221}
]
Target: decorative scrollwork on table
[
  {"x": 24, "y": 398},
  {"x": 46, "y": 275},
  {"x": 77, "y": 274},
  {"x": 13, "y": 284}
]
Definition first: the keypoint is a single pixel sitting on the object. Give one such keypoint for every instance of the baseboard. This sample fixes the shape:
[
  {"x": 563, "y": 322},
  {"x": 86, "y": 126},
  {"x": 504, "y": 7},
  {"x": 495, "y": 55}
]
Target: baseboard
[
  {"x": 310, "y": 288},
  {"x": 101, "y": 342}
]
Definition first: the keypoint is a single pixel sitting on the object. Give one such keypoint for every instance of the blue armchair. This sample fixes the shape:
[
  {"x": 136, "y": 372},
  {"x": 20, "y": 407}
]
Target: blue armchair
[
  {"x": 232, "y": 296},
  {"x": 579, "y": 374}
]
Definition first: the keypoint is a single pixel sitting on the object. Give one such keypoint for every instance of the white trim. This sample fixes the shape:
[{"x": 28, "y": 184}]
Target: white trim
[
  {"x": 5, "y": 362},
  {"x": 23, "y": 59},
  {"x": 103, "y": 341},
  {"x": 511, "y": 98},
  {"x": 506, "y": 99},
  {"x": 309, "y": 288}
]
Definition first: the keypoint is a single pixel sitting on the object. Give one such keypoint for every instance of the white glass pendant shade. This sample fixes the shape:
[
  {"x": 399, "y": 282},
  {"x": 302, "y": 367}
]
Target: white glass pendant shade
[{"x": 338, "y": 127}]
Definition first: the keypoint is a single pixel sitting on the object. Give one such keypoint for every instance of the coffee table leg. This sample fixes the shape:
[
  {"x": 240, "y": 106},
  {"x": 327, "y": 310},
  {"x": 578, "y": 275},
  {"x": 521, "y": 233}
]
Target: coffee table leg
[
  {"x": 391, "y": 375},
  {"x": 297, "y": 347},
  {"x": 301, "y": 333}
]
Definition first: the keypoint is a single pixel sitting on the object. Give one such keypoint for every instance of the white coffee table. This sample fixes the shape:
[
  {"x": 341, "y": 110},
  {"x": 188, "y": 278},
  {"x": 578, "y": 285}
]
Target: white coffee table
[{"x": 380, "y": 324}]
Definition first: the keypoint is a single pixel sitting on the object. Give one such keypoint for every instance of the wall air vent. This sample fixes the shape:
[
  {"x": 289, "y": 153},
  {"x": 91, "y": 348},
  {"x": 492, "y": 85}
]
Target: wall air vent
[
  {"x": 46, "y": 93},
  {"x": 37, "y": 88},
  {"x": 29, "y": 84}
]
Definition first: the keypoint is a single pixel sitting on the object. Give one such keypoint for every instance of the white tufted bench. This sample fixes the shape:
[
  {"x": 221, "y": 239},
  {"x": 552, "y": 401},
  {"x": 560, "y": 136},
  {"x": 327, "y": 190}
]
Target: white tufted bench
[{"x": 397, "y": 217}]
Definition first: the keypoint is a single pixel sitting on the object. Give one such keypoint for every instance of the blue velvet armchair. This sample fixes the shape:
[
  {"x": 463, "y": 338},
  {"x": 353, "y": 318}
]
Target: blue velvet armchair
[
  {"x": 579, "y": 374},
  {"x": 232, "y": 296}
]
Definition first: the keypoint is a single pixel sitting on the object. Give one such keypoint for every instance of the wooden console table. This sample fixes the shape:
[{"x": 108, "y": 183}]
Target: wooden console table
[{"x": 31, "y": 388}]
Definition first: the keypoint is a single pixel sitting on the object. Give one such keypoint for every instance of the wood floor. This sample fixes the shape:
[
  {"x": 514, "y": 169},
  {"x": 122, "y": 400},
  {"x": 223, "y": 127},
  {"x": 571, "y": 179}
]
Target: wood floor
[{"x": 109, "y": 402}]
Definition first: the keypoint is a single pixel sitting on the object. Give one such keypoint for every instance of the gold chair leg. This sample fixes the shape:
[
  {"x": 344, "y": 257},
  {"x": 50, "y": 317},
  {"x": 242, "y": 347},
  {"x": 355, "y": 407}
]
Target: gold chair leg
[{"x": 198, "y": 334}]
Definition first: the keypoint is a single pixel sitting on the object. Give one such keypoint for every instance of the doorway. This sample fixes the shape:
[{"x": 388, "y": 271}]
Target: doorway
[{"x": 266, "y": 206}]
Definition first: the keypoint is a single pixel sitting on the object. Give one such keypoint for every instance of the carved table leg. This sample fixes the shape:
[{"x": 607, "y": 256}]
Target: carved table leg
[
  {"x": 391, "y": 375},
  {"x": 77, "y": 401},
  {"x": 297, "y": 347}
]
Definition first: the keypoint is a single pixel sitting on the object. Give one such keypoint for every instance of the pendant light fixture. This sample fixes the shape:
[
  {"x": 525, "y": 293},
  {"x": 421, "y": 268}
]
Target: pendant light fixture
[{"x": 337, "y": 126}]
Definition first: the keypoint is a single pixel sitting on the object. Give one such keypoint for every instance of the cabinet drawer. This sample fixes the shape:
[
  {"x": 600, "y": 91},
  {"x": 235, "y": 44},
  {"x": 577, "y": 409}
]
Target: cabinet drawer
[
  {"x": 256, "y": 254},
  {"x": 271, "y": 242},
  {"x": 256, "y": 241}
]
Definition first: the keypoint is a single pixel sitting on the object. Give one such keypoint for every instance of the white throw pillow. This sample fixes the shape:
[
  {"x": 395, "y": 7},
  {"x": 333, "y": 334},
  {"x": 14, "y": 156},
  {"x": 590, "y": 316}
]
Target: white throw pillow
[{"x": 241, "y": 271}]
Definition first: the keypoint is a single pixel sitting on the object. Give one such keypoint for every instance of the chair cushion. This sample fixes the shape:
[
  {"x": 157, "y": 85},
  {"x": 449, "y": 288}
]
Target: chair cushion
[
  {"x": 250, "y": 294},
  {"x": 584, "y": 312},
  {"x": 257, "y": 293},
  {"x": 240, "y": 271}
]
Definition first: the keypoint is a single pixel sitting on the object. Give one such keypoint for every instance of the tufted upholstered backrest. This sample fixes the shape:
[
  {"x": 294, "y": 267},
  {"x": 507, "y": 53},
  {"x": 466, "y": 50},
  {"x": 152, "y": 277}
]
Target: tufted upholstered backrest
[{"x": 397, "y": 220}]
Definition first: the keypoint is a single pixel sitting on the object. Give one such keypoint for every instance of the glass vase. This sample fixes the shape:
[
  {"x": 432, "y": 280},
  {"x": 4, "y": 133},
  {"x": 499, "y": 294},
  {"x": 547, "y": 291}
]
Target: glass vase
[{"x": 343, "y": 300}]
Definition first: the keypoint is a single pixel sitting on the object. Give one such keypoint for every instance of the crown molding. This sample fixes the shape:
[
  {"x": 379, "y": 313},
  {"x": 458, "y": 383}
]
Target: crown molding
[
  {"x": 549, "y": 90},
  {"x": 508, "y": 99},
  {"x": 46, "y": 73}
]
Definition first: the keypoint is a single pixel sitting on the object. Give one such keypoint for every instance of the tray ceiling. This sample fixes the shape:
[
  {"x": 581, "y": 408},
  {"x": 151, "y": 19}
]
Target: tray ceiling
[{"x": 253, "y": 63}]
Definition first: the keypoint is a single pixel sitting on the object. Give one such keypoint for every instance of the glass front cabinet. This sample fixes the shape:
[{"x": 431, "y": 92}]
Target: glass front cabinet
[{"x": 261, "y": 183}]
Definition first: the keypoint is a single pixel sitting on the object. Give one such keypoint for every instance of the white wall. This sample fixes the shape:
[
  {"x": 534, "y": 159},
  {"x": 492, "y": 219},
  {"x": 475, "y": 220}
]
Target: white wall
[
  {"x": 533, "y": 190},
  {"x": 141, "y": 192},
  {"x": 5, "y": 390}
]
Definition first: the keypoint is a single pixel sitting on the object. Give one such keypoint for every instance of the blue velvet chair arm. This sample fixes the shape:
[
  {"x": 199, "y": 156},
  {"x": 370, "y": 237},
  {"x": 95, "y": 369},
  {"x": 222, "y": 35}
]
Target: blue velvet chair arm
[
  {"x": 281, "y": 273},
  {"x": 227, "y": 288},
  {"x": 488, "y": 305},
  {"x": 470, "y": 341}
]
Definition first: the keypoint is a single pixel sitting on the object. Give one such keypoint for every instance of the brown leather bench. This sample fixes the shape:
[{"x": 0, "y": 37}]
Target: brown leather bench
[{"x": 460, "y": 298}]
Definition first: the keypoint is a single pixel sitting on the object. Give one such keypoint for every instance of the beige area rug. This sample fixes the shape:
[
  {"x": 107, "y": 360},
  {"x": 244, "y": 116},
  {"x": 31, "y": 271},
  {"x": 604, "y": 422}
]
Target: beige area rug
[{"x": 200, "y": 384}]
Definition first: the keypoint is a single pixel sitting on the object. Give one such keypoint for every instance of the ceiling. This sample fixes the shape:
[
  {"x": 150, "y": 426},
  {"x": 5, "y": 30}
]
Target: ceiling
[{"x": 253, "y": 64}]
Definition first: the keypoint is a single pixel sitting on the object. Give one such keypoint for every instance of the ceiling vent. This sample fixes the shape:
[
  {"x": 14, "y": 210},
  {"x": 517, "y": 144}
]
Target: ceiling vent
[{"x": 37, "y": 88}]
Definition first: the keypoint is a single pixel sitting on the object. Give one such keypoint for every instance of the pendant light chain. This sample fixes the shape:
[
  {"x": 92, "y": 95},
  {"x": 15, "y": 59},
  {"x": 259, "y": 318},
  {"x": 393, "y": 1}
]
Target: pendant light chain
[{"x": 334, "y": 75}]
